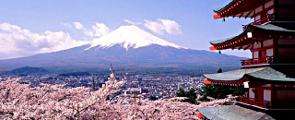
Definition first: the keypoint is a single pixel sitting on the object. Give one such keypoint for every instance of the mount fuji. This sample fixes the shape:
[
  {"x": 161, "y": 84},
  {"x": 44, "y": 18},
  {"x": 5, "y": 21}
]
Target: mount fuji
[
  {"x": 130, "y": 37},
  {"x": 127, "y": 46}
]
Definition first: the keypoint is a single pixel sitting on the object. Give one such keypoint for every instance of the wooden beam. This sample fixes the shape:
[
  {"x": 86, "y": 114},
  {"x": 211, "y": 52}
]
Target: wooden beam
[
  {"x": 245, "y": 14},
  {"x": 249, "y": 13},
  {"x": 247, "y": 47}
]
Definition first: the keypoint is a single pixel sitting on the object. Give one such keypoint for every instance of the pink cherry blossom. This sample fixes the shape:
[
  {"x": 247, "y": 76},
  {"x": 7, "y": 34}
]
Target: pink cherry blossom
[{"x": 19, "y": 101}]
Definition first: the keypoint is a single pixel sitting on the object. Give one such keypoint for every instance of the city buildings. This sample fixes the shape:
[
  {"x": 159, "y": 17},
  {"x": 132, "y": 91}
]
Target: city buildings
[{"x": 159, "y": 85}]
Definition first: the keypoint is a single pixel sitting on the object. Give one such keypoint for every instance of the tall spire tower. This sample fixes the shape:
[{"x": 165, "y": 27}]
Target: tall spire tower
[{"x": 112, "y": 75}]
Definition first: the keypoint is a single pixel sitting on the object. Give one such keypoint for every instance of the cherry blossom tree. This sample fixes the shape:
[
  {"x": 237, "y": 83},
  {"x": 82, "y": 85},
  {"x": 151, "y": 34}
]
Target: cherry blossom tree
[{"x": 19, "y": 101}]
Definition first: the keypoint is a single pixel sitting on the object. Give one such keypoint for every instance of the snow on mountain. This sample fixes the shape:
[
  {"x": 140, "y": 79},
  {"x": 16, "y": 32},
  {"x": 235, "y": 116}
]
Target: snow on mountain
[{"x": 130, "y": 37}]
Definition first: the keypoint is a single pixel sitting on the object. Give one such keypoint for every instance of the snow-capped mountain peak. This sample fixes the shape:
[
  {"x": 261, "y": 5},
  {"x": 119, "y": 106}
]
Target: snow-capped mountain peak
[
  {"x": 158, "y": 54},
  {"x": 130, "y": 37}
]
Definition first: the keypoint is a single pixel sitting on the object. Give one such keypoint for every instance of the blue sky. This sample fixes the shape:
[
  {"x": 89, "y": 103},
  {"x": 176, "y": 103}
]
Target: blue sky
[{"x": 193, "y": 16}]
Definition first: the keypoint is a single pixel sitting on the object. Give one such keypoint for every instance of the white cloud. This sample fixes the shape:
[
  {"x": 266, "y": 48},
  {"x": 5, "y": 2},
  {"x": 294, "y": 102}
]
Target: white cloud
[
  {"x": 78, "y": 26},
  {"x": 18, "y": 42},
  {"x": 97, "y": 30},
  {"x": 132, "y": 22},
  {"x": 100, "y": 29},
  {"x": 163, "y": 26},
  {"x": 68, "y": 25},
  {"x": 154, "y": 26}
]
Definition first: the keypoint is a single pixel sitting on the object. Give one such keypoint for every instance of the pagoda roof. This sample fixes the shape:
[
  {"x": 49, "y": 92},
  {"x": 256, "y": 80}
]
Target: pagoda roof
[
  {"x": 231, "y": 75},
  {"x": 264, "y": 73},
  {"x": 276, "y": 26},
  {"x": 269, "y": 27},
  {"x": 271, "y": 74},
  {"x": 232, "y": 112},
  {"x": 238, "y": 8}
]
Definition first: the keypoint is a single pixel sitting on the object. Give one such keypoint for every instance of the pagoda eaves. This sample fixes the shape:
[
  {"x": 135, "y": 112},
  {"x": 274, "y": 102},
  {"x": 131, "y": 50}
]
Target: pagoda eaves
[
  {"x": 263, "y": 74},
  {"x": 242, "y": 8},
  {"x": 255, "y": 33}
]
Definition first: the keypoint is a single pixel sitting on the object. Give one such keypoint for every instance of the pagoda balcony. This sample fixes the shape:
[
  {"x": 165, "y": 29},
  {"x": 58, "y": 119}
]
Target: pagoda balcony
[
  {"x": 255, "y": 102},
  {"x": 257, "y": 61}
]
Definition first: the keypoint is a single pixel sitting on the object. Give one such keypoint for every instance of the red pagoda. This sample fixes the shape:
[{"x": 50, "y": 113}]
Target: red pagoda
[{"x": 269, "y": 76}]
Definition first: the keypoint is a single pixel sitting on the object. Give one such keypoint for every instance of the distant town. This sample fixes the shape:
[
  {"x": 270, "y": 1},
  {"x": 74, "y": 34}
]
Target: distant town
[{"x": 148, "y": 85}]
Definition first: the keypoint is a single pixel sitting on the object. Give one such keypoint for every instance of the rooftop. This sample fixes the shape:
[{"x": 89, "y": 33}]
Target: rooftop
[
  {"x": 232, "y": 112},
  {"x": 263, "y": 73}
]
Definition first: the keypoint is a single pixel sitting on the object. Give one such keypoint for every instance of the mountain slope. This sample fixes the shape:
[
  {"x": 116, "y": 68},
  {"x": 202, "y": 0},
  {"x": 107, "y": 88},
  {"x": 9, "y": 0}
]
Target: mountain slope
[
  {"x": 128, "y": 46},
  {"x": 27, "y": 70}
]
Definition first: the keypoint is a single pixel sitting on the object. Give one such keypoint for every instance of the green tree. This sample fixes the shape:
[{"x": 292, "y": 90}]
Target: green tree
[
  {"x": 191, "y": 95},
  {"x": 220, "y": 91},
  {"x": 181, "y": 93},
  {"x": 153, "y": 98}
]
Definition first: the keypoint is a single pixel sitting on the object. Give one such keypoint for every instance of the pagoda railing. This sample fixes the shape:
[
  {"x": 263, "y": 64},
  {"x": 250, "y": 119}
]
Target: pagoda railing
[
  {"x": 260, "y": 21},
  {"x": 256, "y": 102},
  {"x": 256, "y": 61},
  {"x": 263, "y": 20}
]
